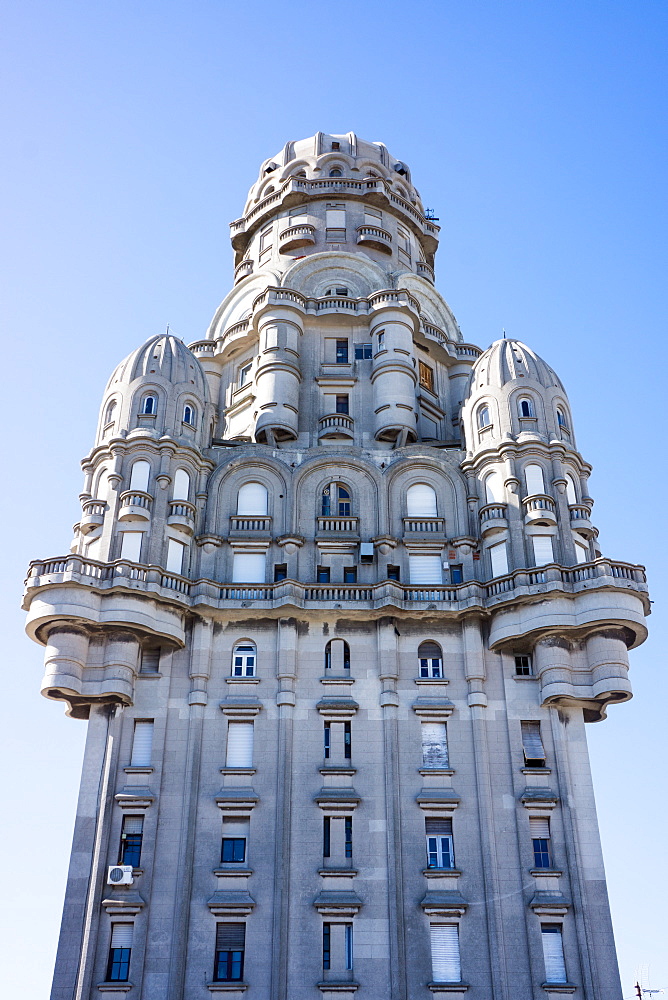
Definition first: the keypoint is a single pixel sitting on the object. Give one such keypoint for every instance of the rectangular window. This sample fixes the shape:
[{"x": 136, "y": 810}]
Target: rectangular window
[
  {"x": 322, "y": 574},
  {"x": 233, "y": 851},
  {"x": 342, "y": 404},
  {"x": 362, "y": 352},
  {"x": 445, "y": 963},
  {"x": 394, "y": 573},
  {"x": 430, "y": 666},
  {"x": 540, "y": 836},
  {"x": 245, "y": 374},
  {"x": 553, "y": 953},
  {"x": 381, "y": 339},
  {"x": 299, "y": 215},
  {"x": 372, "y": 217},
  {"x": 280, "y": 572},
  {"x": 150, "y": 660},
  {"x": 440, "y": 850},
  {"x": 326, "y": 946},
  {"x": 243, "y": 662},
  {"x": 328, "y": 740},
  {"x": 342, "y": 352},
  {"x": 249, "y": 567},
  {"x": 175, "y": 555},
  {"x": 230, "y": 946},
  {"x": 434, "y": 745},
  {"x": 532, "y": 744},
  {"x": 118, "y": 968},
  {"x": 542, "y": 549},
  {"x": 131, "y": 545},
  {"x": 523, "y": 666},
  {"x": 335, "y": 223},
  {"x": 350, "y": 574},
  {"x": 581, "y": 553},
  {"x": 326, "y": 837},
  {"x": 265, "y": 239},
  {"x": 425, "y": 569},
  {"x": 349, "y": 946},
  {"x": 131, "y": 838},
  {"x": 456, "y": 574},
  {"x": 142, "y": 744},
  {"x": 404, "y": 241},
  {"x": 426, "y": 376},
  {"x": 348, "y": 831},
  {"x": 239, "y": 744},
  {"x": 347, "y": 740},
  {"x": 499, "y": 559}
]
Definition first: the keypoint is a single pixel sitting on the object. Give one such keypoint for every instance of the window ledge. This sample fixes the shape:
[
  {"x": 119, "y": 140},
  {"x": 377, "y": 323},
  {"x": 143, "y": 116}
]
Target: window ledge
[
  {"x": 337, "y": 679},
  {"x": 448, "y": 987},
  {"x": 238, "y": 770},
  {"x": 435, "y": 770},
  {"x": 227, "y": 870},
  {"x": 138, "y": 770},
  {"x": 559, "y": 987},
  {"x": 148, "y": 675},
  {"x": 243, "y": 680},
  {"x": 431, "y": 680},
  {"x": 433, "y": 872},
  {"x": 339, "y": 872},
  {"x": 338, "y": 769},
  {"x": 337, "y": 986},
  {"x": 524, "y": 677},
  {"x": 536, "y": 770},
  {"x": 227, "y": 987},
  {"x": 550, "y": 872},
  {"x": 114, "y": 987}
]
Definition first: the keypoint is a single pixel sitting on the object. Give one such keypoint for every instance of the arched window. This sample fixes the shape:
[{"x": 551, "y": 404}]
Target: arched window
[
  {"x": 533, "y": 474},
  {"x": 109, "y": 412},
  {"x": 244, "y": 659},
  {"x": 336, "y": 500},
  {"x": 189, "y": 414},
  {"x": 337, "y": 655},
  {"x": 139, "y": 476},
  {"x": 336, "y": 172},
  {"x": 149, "y": 405},
  {"x": 484, "y": 419},
  {"x": 571, "y": 492},
  {"x": 181, "y": 485},
  {"x": 252, "y": 500},
  {"x": 421, "y": 501},
  {"x": 494, "y": 492},
  {"x": 561, "y": 418},
  {"x": 526, "y": 408},
  {"x": 430, "y": 659}
]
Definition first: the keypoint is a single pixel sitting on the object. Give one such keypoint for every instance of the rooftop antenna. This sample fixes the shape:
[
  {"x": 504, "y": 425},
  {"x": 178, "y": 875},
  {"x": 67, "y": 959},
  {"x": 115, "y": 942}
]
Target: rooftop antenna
[
  {"x": 167, "y": 330},
  {"x": 504, "y": 333}
]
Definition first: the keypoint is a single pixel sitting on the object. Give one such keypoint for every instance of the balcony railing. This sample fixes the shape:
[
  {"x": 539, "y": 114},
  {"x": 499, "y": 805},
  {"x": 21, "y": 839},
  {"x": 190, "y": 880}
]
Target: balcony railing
[
  {"x": 295, "y": 237},
  {"x": 425, "y": 271},
  {"x": 579, "y": 512},
  {"x": 338, "y": 524},
  {"x": 493, "y": 511},
  {"x": 92, "y": 515},
  {"x": 336, "y": 425},
  {"x": 241, "y": 522},
  {"x": 539, "y": 502},
  {"x": 242, "y": 270},
  {"x": 135, "y": 504},
  {"x": 373, "y": 236},
  {"x": 424, "y": 525}
]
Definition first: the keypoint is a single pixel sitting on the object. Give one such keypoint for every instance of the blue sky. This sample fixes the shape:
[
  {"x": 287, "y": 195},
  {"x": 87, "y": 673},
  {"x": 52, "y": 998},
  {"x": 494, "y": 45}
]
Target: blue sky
[{"x": 131, "y": 133}]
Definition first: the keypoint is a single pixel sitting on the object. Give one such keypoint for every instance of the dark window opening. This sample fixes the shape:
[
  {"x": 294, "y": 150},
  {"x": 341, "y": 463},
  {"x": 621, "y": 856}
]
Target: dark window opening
[
  {"x": 348, "y": 826},
  {"x": 131, "y": 841},
  {"x": 233, "y": 851},
  {"x": 230, "y": 945},
  {"x": 342, "y": 404},
  {"x": 118, "y": 969},
  {"x": 456, "y": 574},
  {"x": 280, "y": 572},
  {"x": 362, "y": 352},
  {"x": 326, "y": 837},
  {"x": 326, "y": 946},
  {"x": 541, "y": 852},
  {"x": 322, "y": 574},
  {"x": 394, "y": 573},
  {"x": 523, "y": 666},
  {"x": 347, "y": 740},
  {"x": 342, "y": 352},
  {"x": 350, "y": 574},
  {"x": 328, "y": 740}
]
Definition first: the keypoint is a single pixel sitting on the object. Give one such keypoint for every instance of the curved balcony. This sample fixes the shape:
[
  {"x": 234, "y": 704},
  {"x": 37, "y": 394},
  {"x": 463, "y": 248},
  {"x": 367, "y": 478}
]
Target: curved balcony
[
  {"x": 580, "y": 516},
  {"x": 336, "y": 426},
  {"x": 242, "y": 270},
  {"x": 493, "y": 518},
  {"x": 425, "y": 271},
  {"x": 373, "y": 236},
  {"x": 296, "y": 237},
  {"x": 135, "y": 505},
  {"x": 424, "y": 525},
  {"x": 93, "y": 515},
  {"x": 539, "y": 509},
  {"x": 182, "y": 515}
]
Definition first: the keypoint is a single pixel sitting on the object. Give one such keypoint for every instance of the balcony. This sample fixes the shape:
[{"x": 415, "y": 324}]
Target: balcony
[
  {"x": 182, "y": 515},
  {"x": 296, "y": 237},
  {"x": 580, "y": 516},
  {"x": 493, "y": 518},
  {"x": 425, "y": 271},
  {"x": 335, "y": 426},
  {"x": 244, "y": 524},
  {"x": 333, "y": 525},
  {"x": 539, "y": 509},
  {"x": 135, "y": 506},
  {"x": 372, "y": 236},
  {"x": 93, "y": 515},
  {"x": 424, "y": 525},
  {"x": 243, "y": 270}
]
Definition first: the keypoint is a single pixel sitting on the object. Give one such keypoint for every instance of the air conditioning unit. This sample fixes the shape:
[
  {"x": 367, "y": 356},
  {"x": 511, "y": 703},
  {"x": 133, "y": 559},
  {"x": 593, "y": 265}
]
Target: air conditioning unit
[{"x": 120, "y": 875}]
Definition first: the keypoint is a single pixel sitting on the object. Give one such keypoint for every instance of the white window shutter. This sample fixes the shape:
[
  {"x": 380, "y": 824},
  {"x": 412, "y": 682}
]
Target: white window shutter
[
  {"x": 553, "y": 953},
  {"x": 540, "y": 827},
  {"x": 249, "y": 567},
  {"x": 139, "y": 476},
  {"x": 239, "y": 744},
  {"x": 571, "y": 494},
  {"x": 175, "y": 553},
  {"x": 434, "y": 744},
  {"x": 581, "y": 553},
  {"x": 499, "y": 557},
  {"x": 445, "y": 964},
  {"x": 133, "y": 824},
  {"x": 542, "y": 549},
  {"x": 121, "y": 935},
  {"x": 425, "y": 569},
  {"x": 131, "y": 545},
  {"x": 494, "y": 488},
  {"x": 421, "y": 501},
  {"x": 532, "y": 741},
  {"x": 181, "y": 485},
  {"x": 142, "y": 745},
  {"x": 252, "y": 500},
  {"x": 533, "y": 475}
]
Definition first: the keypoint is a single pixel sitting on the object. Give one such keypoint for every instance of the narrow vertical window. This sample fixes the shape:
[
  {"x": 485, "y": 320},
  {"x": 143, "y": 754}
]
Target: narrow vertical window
[
  {"x": 445, "y": 963},
  {"x": 349, "y": 946},
  {"x": 426, "y": 375},
  {"x": 532, "y": 744},
  {"x": 535, "y": 481},
  {"x": 239, "y": 744},
  {"x": 381, "y": 339},
  {"x": 244, "y": 659},
  {"x": 139, "y": 475},
  {"x": 498, "y": 556},
  {"x": 494, "y": 491},
  {"x": 543, "y": 552},
  {"x": 526, "y": 408},
  {"x": 142, "y": 744},
  {"x": 118, "y": 967},
  {"x": 181, "y": 489},
  {"x": 343, "y": 404},
  {"x": 326, "y": 946},
  {"x": 175, "y": 556},
  {"x": 245, "y": 375},
  {"x": 553, "y": 953},
  {"x": 347, "y": 740},
  {"x": 484, "y": 419},
  {"x": 189, "y": 415},
  {"x": 322, "y": 574},
  {"x": 131, "y": 543},
  {"x": 149, "y": 405},
  {"x": 280, "y": 572},
  {"x": 434, "y": 745},
  {"x": 350, "y": 574},
  {"x": 326, "y": 836},
  {"x": 540, "y": 838},
  {"x": 230, "y": 946},
  {"x": 440, "y": 851},
  {"x": 456, "y": 574},
  {"x": 429, "y": 660},
  {"x": 342, "y": 352},
  {"x": 131, "y": 839},
  {"x": 328, "y": 740},
  {"x": 348, "y": 831}
]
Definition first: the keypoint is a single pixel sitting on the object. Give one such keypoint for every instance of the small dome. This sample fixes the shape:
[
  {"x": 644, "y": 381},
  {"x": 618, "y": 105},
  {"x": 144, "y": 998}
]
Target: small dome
[
  {"x": 510, "y": 360},
  {"x": 163, "y": 356}
]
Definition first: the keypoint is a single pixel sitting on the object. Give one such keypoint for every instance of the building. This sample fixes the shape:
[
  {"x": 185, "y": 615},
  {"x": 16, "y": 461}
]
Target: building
[{"x": 337, "y": 615}]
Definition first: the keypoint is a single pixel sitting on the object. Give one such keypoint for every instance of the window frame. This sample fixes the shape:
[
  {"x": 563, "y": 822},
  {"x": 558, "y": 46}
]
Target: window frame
[{"x": 244, "y": 649}]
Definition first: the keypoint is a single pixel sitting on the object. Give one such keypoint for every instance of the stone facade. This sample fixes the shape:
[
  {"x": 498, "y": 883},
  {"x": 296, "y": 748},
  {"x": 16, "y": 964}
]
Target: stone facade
[{"x": 335, "y": 603}]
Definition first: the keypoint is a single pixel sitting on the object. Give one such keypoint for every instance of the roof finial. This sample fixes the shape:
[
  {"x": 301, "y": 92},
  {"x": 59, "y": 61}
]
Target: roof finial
[
  {"x": 504, "y": 333},
  {"x": 167, "y": 330}
]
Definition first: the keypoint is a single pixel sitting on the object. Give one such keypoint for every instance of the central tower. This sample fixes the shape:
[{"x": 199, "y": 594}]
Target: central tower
[{"x": 337, "y": 615}]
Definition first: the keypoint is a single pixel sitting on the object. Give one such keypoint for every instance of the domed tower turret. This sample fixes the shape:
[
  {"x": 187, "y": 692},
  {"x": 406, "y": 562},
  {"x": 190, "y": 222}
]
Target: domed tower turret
[{"x": 524, "y": 471}]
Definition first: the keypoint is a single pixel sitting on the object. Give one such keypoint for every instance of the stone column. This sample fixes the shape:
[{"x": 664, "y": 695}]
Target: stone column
[{"x": 278, "y": 375}]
